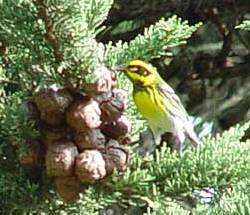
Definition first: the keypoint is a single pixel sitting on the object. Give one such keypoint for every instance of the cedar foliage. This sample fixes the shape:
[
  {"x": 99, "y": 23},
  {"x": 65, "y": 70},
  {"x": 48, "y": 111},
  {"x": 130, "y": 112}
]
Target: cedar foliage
[{"x": 45, "y": 42}]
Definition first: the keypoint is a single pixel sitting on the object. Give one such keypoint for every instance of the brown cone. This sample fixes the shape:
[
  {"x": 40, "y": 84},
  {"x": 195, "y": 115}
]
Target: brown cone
[
  {"x": 117, "y": 155},
  {"x": 113, "y": 109},
  {"x": 52, "y": 135},
  {"x": 60, "y": 159},
  {"x": 83, "y": 115},
  {"x": 90, "y": 139},
  {"x": 117, "y": 129},
  {"x": 52, "y": 104},
  {"x": 68, "y": 188},
  {"x": 103, "y": 97},
  {"x": 90, "y": 166}
]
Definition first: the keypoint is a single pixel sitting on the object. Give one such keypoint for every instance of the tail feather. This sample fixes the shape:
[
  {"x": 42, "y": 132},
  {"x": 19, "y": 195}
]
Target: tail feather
[{"x": 192, "y": 136}]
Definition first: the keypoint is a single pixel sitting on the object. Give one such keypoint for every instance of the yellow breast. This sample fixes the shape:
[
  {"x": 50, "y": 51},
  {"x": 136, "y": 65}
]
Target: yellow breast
[
  {"x": 153, "y": 111},
  {"x": 147, "y": 105}
]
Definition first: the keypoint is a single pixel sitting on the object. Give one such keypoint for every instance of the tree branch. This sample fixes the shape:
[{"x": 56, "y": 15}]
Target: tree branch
[{"x": 50, "y": 36}]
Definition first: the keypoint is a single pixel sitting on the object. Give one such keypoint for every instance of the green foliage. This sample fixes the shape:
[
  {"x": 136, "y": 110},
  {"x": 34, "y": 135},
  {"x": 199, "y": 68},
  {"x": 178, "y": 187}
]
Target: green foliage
[
  {"x": 218, "y": 163},
  {"x": 161, "y": 183},
  {"x": 16, "y": 191},
  {"x": 236, "y": 201},
  {"x": 91, "y": 202},
  {"x": 153, "y": 43},
  {"x": 23, "y": 37},
  {"x": 53, "y": 41},
  {"x": 15, "y": 126},
  {"x": 245, "y": 25}
]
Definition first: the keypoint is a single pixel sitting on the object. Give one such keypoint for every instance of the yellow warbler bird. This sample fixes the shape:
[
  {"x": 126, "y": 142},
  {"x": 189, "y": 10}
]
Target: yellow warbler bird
[{"x": 159, "y": 104}]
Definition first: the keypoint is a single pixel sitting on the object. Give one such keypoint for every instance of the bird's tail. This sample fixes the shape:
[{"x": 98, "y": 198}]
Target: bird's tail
[{"x": 192, "y": 136}]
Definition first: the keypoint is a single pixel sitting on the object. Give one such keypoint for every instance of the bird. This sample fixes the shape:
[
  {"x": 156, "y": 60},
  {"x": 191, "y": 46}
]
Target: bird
[{"x": 159, "y": 105}]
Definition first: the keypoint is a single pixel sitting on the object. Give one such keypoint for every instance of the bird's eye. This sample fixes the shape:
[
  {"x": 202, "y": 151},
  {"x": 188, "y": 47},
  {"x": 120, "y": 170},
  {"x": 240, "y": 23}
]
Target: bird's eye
[{"x": 146, "y": 72}]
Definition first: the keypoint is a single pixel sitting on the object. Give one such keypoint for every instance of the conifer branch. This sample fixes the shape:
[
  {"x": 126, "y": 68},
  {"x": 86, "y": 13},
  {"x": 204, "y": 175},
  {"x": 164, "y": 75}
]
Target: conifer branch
[
  {"x": 153, "y": 43},
  {"x": 4, "y": 52},
  {"x": 66, "y": 39},
  {"x": 50, "y": 36},
  {"x": 245, "y": 25}
]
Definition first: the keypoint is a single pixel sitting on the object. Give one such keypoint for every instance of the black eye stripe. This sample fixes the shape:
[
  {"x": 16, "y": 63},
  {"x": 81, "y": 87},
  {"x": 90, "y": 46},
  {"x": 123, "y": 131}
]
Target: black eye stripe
[
  {"x": 144, "y": 72},
  {"x": 139, "y": 71}
]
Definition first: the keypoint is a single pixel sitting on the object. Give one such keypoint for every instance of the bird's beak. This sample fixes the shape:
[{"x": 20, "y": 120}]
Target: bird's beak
[{"x": 119, "y": 68}]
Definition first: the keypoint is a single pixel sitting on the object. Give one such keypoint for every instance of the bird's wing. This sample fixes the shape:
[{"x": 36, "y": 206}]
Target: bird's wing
[
  {"x": 173, "y": 103},
  {"x": 176, "y": 109}
]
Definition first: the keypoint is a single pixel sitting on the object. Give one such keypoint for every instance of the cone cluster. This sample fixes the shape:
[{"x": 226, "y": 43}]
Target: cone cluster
[{"x": 82, "y": 134}]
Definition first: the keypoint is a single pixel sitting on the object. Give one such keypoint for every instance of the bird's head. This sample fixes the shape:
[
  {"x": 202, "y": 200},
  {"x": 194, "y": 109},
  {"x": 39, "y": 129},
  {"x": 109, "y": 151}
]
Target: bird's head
[{"x": 141, "y": 73}]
